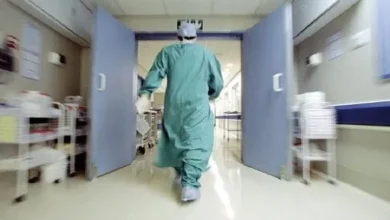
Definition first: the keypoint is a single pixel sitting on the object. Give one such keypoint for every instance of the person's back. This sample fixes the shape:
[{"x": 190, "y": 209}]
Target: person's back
[
  {"x": 189, "y": 70},
  {"x": 187, "y": 137}
]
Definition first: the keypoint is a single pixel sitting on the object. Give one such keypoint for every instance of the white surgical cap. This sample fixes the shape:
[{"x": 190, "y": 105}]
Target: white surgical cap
[{"x": 187, "y": 30}]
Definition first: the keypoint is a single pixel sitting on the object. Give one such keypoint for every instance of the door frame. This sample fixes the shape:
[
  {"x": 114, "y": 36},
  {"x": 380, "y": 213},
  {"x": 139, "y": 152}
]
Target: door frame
[{"x": 172, "y": 35}]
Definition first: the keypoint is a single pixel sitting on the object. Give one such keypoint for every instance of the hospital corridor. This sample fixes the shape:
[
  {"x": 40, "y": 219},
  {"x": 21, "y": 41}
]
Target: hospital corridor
[{"x": 194, "y": 109}]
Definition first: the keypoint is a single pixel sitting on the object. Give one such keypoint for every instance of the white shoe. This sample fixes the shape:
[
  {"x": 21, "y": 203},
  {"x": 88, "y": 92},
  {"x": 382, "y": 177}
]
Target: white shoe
[{"x": 189, "y": 194}]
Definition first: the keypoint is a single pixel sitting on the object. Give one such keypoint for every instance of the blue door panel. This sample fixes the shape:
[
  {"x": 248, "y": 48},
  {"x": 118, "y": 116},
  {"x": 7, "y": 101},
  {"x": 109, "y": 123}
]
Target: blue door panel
[
  {"x": 113, "y": 116},
  {"x": 265, "y": 52}
]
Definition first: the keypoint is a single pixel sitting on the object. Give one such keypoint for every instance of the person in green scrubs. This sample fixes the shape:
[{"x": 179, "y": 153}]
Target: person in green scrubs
[{"x": 194, "y": 78}]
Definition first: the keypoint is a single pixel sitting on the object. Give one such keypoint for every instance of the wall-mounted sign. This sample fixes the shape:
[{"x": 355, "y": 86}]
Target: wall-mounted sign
[{"x": 197, "y": 22}]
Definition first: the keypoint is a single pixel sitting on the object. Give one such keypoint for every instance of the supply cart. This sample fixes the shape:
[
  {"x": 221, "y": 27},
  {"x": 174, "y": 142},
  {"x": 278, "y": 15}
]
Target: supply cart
[
  {"x": 67, "y": 125},
  {"x": 26, "y": 138},
  {"x": 315, "y": 125},
  {"x": 152, "y": 119},
  {"x": 143, "y": 128},
  {"x": 147, "y": 130}
]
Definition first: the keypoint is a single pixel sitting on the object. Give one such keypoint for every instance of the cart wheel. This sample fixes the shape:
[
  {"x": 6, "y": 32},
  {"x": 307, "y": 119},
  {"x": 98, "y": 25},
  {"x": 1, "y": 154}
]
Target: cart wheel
[
  {"x": 57, "y": 181},
  {"x": 72, "y": 175},
  {"x": 151, "y": 146},
  {"x": 306, "y": 182},
  {"x": 141, "y": 150},
  {"x": 20, "y": 199},
  {"x": 332, "y": 182}
]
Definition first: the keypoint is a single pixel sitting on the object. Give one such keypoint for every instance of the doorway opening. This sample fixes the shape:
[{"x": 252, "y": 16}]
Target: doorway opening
[
  {"x": 228, "y": 52},
  {"x": 266, "y": 60}
]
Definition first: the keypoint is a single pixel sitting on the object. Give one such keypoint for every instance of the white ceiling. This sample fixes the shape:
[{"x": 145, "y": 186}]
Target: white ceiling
[
  {"x": 227, "y": 52},
  {"x": 188, "y": 7}
]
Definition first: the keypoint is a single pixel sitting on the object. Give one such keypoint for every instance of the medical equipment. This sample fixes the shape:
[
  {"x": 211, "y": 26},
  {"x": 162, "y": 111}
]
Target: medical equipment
[
  {"x": 311, "y": 100},
  {"x": 18, "y": 133},
  {"x": 142, "y": 130},
  {"x": 315, "y": 124},
  {"x": 67, "y": 125},
  {"x": 35, "y": 103},
  {"x": 55, "y": 172},
  {"x": 146, "y": 138},
  {"x": 143, "y": 104},
  {"x": 153, "y": 119},
  {"x": 73, "y": 100},
  {"x": 147, "y": 130},
  {"x": 8, "y": 47},
  {"x": 6, "y": 61},
  {"x": 231, "y": 123},
  {"x": 75, "y": 122}
]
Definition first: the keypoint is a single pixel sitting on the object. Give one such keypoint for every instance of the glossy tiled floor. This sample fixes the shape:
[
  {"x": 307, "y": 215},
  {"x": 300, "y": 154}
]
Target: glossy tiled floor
[{"x": 230, "y": 191}]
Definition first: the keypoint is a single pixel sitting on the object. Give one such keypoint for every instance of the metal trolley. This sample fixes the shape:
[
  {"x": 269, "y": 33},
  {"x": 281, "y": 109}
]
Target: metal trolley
[
  {"x": 232, "y": 123},
  {"x": 312, "y": 127},
  {"x": 147, "y": 130}
]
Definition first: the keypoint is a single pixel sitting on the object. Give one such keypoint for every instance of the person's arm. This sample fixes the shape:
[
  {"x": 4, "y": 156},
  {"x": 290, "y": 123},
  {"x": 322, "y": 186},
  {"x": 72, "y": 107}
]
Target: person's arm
[
  {"x": 215, "y": 78},
  {"x": 156, "y": 74}
]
